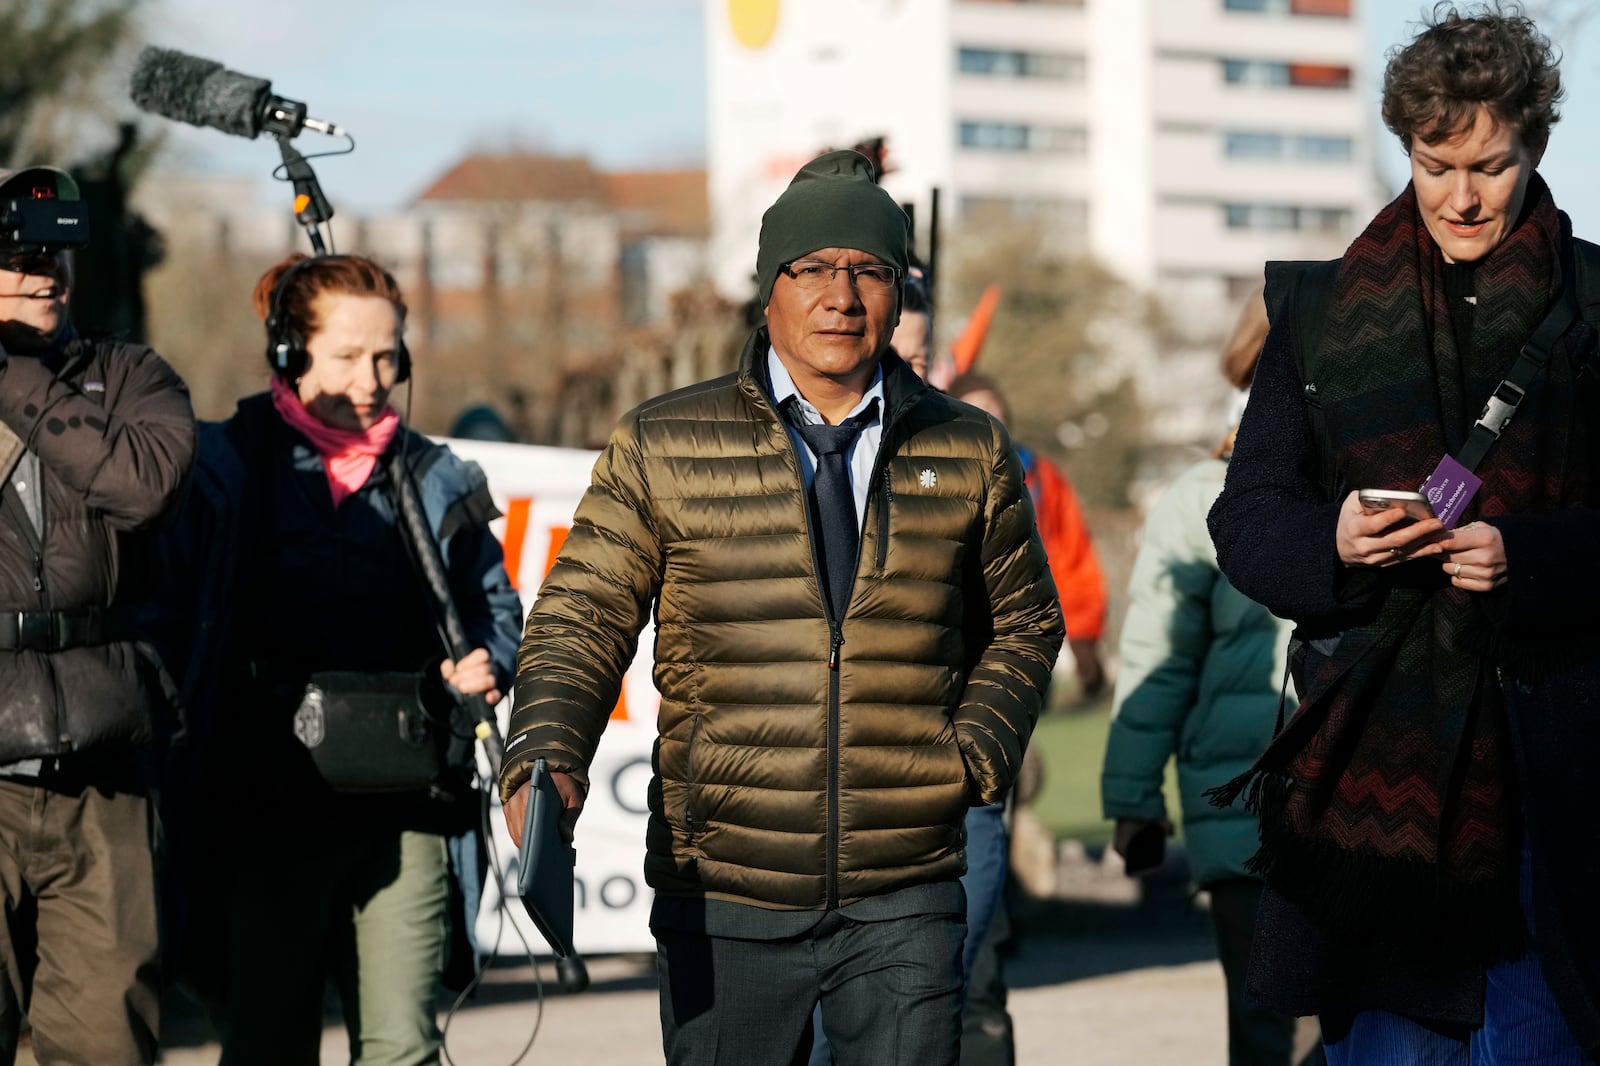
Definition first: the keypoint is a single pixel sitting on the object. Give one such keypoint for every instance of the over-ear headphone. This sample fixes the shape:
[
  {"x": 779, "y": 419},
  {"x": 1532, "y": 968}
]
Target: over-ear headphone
[{"x": 286, "y": 349}]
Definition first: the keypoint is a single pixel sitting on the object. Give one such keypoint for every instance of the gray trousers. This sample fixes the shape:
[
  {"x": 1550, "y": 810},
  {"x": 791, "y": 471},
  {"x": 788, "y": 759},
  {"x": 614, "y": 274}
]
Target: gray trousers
[
  {"x": 890, "y": 992},
  {"x": 369, "y": 907},
  {"x": 78, "y": 944}
]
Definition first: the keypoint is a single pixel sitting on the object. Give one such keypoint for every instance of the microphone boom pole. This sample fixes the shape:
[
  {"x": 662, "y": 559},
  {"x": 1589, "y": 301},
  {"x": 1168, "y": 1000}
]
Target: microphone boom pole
[
  {"x": 425, "y": 550},
  {"x": 204, "y": 93},
  {"x": 311, "y": 207}
]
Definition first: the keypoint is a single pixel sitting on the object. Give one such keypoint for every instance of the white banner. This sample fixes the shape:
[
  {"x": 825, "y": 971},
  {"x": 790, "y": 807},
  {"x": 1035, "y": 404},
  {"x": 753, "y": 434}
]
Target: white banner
[{"x": 538, "y": 489}]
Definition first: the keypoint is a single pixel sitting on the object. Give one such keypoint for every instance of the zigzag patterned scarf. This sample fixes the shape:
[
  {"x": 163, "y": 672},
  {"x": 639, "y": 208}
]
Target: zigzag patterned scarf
[{"x": 1387, "y": 804}]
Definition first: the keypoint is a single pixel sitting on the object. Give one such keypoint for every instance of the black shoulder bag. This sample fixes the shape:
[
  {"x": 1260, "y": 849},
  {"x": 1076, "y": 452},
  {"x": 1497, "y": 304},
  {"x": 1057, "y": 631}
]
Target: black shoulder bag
[
  {"x": 376, "y": 732},
  {"x": 388, "y": 731},
  {"x": 371, "y": 732}
]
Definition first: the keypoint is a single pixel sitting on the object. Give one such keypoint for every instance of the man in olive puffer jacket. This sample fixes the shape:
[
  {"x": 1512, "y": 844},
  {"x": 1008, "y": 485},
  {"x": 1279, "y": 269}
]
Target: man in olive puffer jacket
[
  {"x": 96, "y": 438},
  {"x": 815, "y": 760}
]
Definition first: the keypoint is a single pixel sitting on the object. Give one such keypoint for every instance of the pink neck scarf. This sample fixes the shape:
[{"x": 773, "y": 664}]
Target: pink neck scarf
[{"x": 348, "y": 457}]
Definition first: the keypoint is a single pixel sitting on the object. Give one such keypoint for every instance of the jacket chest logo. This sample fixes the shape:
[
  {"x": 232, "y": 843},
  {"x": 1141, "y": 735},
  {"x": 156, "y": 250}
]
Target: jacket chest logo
[{"x": 928, "y": 479}]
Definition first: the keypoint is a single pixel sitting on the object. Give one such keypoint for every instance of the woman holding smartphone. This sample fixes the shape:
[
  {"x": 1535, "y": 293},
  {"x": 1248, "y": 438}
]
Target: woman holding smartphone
[{"x": 1426, "y": 827}]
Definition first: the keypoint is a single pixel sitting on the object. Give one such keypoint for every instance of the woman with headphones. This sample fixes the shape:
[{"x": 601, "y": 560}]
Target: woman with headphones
[{"x": 328, "y": 768}]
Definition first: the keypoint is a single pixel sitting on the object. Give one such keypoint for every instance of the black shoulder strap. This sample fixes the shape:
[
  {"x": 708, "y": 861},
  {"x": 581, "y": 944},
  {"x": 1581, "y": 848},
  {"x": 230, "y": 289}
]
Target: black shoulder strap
[
  {"x": 1300, "y": 291},
  {"x": 249, "y": 428},
  {"x": 1586, "y": 280},
  {"x": 1576, "y": 300}
]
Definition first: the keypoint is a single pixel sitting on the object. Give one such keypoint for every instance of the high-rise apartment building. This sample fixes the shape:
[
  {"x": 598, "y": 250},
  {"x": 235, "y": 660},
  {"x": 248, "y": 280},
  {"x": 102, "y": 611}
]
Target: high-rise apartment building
[{"x": 1182, "y": 142}]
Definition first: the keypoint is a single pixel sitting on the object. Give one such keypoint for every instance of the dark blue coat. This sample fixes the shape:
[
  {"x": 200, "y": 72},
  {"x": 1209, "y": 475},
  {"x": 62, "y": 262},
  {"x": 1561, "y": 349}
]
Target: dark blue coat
[
  {"x": 257, "y": 485},
  {"x": 1274, "y": 534}
]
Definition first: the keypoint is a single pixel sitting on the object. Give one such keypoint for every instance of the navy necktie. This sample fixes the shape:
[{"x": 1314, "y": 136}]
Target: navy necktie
[{"x": 832, "y": 502}]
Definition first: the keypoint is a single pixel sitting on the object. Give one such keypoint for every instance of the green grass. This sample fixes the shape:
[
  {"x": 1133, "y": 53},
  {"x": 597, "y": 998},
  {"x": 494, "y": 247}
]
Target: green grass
[{"x": 1073, "y": 744}]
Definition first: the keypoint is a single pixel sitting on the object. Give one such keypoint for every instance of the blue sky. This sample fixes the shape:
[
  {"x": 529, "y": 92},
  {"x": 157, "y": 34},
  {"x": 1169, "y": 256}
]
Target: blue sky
[
  {"x": 426, "y": 81},
  {"x": 622, "y": 81},
  {"x": 1572, "y": 163}
]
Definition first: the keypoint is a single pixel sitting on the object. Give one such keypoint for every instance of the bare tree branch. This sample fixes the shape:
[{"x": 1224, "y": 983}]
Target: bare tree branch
[{"x": 56, "y": 55}]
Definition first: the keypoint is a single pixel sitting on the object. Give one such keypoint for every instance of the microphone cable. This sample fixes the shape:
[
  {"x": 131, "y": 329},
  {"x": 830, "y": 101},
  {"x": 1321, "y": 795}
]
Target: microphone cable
[
  {"x": 501, "y": 880},
  {"x": 492, "y": 848},
  {"x": 281, "y": 173}
]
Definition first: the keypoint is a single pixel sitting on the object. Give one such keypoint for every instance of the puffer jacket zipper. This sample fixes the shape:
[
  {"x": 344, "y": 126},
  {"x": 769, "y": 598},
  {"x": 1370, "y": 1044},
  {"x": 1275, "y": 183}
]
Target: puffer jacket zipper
[
  {"x": 835, "y": 618},
  {"x": 833, "y": 780},
  {"x": 885, "y": 501}
]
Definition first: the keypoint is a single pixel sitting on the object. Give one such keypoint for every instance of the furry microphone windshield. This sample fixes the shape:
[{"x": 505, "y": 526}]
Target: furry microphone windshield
[{"x": 200, "y": 92}]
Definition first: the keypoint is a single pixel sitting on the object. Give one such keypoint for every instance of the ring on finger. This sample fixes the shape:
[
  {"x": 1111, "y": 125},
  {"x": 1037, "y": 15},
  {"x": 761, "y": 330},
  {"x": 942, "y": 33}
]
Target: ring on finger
[{"x": 1457, "y": 571}]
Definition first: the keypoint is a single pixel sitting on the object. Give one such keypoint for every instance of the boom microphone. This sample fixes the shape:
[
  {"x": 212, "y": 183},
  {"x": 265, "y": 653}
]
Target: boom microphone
[{"x": 204, "y": 93}]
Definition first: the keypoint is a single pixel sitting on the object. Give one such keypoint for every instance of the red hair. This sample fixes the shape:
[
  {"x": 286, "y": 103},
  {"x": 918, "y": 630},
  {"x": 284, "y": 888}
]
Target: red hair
[{"x": 350, "y": 275}]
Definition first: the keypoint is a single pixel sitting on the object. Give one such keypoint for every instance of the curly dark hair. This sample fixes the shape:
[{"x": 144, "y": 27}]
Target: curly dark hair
[{"x": 1493, "y": 56}]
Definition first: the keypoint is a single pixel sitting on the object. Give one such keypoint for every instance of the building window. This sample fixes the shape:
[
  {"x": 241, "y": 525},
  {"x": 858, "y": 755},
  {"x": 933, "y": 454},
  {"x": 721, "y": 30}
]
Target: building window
[
  {"x": 1261, "y": 216},
  {"x": 1003, "y": 64},
  {"x": 1263, "y": 144},
  {"x": 1254, "y": 72},
  {"x": 1333, "y": 8},
  {"x": 1325, "y": 219},
  {"x": 1242, "y": 287},
  {"x": 1243, "y": 144},
  {"x": 1073, "y": 215},
  {"x": 1072, "y": 212},
  {"x": 1266, "y": 73},
  {"x": 1324, "y": 149},
  {"x": 1287, "y": 217},
  {"x": 1020, "y": 137}
]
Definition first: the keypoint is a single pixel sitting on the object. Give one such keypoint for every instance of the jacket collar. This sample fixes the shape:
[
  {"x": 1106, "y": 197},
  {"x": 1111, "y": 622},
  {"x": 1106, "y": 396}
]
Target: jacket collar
[{"x": 902, "y": 389}]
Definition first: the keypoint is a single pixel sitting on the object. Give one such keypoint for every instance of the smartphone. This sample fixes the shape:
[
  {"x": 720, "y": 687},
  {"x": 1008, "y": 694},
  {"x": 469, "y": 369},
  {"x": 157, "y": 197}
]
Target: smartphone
[{"x": 1415, "y": 504}]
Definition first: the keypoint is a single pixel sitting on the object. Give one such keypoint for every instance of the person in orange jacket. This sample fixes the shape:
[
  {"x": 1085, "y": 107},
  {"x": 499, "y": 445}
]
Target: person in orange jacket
[
  {"x": 987, "y": 1037},
  {"x": 1065, "y": 534}
]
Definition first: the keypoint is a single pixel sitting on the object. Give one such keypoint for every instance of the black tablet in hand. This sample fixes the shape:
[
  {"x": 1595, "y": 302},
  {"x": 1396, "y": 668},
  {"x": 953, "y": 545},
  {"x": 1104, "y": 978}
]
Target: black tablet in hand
[{"x": 544, "y": 876}]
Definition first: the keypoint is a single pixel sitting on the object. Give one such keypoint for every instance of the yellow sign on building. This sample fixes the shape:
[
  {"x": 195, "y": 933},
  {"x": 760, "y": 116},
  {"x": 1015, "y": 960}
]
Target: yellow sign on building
[{"x": 753, "y": 21}]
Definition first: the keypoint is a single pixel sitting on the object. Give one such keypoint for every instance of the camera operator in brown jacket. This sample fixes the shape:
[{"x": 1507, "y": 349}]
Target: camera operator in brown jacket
[
  {"x": 823, "y": 728},
  {"x": 95, "y": 440}
]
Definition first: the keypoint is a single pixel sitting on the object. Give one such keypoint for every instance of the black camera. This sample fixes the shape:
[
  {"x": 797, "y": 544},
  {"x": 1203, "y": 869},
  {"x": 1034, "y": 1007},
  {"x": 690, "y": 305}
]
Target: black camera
[{"x": 40, "y": 211}]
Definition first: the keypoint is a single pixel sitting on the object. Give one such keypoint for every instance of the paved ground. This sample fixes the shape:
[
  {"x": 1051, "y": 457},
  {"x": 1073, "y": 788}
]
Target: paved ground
[
  {"x": 1106, "y": 978},
  {"x": 1153, "y": 1015},
  {"x": 1093, "y": 984}
]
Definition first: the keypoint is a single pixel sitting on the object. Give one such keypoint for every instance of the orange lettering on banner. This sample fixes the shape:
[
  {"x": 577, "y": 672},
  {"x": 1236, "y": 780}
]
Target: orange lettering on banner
[
  {"x": 558, "y": 537},
  {"x": 516, "y": 532}
]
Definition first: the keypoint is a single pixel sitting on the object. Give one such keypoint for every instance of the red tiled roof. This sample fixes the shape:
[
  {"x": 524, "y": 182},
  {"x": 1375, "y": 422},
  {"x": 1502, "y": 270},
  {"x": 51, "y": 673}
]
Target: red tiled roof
[
  {"x": 664, "y": 202},
  {"x": 520, "y": 176},
  {"x": 673, "y": 202}
]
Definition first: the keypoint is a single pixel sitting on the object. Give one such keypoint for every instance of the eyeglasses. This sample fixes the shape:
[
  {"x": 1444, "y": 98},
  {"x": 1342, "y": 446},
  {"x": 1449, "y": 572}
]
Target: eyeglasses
[
  {"x": 867, "y": 277},
  {"x": 43, "y": 264}
]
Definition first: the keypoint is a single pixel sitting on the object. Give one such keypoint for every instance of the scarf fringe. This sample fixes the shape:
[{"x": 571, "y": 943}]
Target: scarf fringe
[
  {"x": 1361, "y": 897},
  {"x": 1537, "y": 661},
  {"x": 1248, "y": 784}
]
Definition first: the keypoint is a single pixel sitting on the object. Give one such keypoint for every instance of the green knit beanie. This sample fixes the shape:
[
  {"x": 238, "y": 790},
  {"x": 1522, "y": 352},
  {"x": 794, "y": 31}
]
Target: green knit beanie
[{"x": 832, "y": 203}]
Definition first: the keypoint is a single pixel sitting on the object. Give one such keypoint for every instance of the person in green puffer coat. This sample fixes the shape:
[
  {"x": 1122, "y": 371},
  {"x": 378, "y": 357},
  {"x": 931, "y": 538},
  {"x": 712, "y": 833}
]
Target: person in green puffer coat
[{"x": 1200, "y": 680}]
